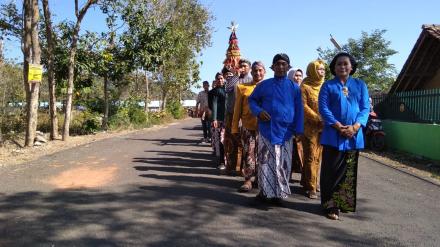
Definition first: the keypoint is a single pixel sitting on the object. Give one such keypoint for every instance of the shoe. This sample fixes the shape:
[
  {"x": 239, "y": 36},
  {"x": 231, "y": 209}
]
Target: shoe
[
  {"x": 277, "y": 202},
  {"x": 312, "y": 195},
  {"x": 261, "y": 198},
  {"x": 334, "y": 214},
  {"x": 221, "y": 167}
]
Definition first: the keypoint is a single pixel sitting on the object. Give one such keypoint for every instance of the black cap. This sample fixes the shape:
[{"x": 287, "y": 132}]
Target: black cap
[{"x": 281, "y": 56}]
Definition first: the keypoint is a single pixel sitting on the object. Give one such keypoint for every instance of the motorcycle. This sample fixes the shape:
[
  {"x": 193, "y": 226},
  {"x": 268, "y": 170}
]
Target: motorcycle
[{"x": 374, "y": 133}]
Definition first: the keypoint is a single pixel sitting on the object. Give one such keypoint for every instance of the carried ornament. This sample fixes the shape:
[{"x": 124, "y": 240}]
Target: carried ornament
[{"x": 233, "y": 52}]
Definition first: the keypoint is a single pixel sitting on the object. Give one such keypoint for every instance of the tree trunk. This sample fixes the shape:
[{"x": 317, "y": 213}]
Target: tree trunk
[
  {"x": 73, "y": 46},
  {"x": 31, "y": 55},
  {"x": 163, "y": 104},
  {"x": 50, "y": 72},
  {"x": 106, "y": 104},
  {"x": 147, "y": 92},
  {"x": 4, "y": 93}
]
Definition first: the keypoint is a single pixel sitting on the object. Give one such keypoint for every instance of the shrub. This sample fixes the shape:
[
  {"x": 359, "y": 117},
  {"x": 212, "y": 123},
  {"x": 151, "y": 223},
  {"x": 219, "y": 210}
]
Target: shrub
[
  {"x": 85, "y": 122},
  {"x": 176, "y": 109}
]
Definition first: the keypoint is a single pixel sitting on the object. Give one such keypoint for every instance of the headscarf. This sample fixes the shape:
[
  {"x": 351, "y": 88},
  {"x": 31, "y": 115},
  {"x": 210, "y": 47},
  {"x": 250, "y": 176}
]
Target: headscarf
[
  {"x": 291, "y": 74},
  {"x": 313, "y": 78}
]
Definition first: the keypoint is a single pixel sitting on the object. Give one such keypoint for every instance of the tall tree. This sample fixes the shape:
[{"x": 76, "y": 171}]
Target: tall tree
[
  {"x": 31, "y": 55},
  {"x": 73, "y": 47},
  {"x": 50, "y": 70},
  {"x": 372, "y": 52},
  {"x": 4, "y": 92}
]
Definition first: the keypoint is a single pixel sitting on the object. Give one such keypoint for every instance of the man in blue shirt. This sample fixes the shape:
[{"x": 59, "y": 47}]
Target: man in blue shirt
[{"x": 277, "y": 104}]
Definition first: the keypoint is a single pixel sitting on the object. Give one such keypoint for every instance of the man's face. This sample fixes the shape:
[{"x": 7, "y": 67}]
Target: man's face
[
  {"x": 258, "y": 73},
  {"x": 206, "y": 86},
  {"x": 280, "y": 68},
  {"x": 244, "y": 69},
  {"x": 220, "y": 81}
]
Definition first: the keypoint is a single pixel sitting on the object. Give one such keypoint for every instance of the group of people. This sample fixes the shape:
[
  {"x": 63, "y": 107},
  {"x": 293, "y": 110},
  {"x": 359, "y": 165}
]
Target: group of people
[{"x": 264, "y": 129}]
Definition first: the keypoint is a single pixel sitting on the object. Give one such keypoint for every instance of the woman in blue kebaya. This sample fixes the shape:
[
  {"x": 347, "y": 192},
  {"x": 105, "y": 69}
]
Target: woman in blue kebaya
[{"x": 344, "y": 107}]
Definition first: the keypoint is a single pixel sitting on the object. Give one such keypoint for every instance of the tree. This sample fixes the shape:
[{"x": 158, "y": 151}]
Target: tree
[
  {"x": 31, "y": 55},
  {"x": 160, "y": 33},
  {"x": 72, "y": 52},
  {"x": 4, "y": 92},
  {"x": 372, "y": 52},
  {"x": 50, "y": 70}
]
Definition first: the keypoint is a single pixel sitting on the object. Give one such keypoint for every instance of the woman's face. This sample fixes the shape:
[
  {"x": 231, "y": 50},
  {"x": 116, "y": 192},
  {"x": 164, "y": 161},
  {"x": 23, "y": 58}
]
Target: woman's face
[
  {"x": 298, "y": 77},
  {"x": 343, "y": 67},
  {"x": 321, "y": 70}
]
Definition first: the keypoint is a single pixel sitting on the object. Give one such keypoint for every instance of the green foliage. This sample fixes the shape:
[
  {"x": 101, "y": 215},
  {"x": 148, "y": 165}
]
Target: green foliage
[
  {"x": 175, "y": 109},
  {"x": 13, "y": 121},
  {"x": 372, "y": 52},
  {"x": 128, "y": 113},
  {"x": 85, "y": 122}
]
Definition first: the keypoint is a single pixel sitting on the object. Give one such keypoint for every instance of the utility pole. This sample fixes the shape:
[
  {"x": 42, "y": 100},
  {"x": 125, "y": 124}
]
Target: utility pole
[{"x": 335, "y": 43}]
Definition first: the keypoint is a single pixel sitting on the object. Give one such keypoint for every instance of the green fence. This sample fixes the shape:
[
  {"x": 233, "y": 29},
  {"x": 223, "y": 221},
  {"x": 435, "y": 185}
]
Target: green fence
[
  {"x": 421, "y": 106},
  {"x": 416, "y": 138}
]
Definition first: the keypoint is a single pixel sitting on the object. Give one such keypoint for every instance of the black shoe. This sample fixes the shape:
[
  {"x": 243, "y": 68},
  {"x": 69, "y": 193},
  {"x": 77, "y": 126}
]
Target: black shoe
[{"x": 277, "y": 202}]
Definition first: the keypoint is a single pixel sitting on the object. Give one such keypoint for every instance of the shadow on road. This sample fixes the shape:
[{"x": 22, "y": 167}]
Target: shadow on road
[{"x": 182, "y": 202}]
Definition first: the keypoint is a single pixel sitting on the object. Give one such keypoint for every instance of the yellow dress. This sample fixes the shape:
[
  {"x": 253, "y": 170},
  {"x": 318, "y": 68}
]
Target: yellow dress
[{"x": 313, "y": 126}]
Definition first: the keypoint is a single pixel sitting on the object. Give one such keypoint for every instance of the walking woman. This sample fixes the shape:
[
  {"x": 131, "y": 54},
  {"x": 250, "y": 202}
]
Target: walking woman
[
  {"x": 248, "y": 133},
  {"x": 313, "y": 125},
  {"x": 344, "y": 107}
]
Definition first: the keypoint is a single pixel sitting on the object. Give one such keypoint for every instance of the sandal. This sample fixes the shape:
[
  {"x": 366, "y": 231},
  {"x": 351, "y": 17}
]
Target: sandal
[
  {"x": 312, "y": 195},
  {"x": 246, "y": 187}
]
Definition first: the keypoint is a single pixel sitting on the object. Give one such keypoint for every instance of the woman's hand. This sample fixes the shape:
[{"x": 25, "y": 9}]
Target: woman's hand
[
  {"x": 215, "y": 123},
  {"x": 351, "y": 130}
]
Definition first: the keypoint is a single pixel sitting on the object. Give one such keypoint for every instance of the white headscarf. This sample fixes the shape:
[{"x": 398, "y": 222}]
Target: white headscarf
[{"x": 291, "y": 74}]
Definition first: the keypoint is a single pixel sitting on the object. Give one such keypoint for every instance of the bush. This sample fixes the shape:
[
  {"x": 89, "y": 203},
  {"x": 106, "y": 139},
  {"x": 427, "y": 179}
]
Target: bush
[
  {"x": 119, "y": 119},
  {"x": 85, "y": 122},
  {"x": 137, "y": 116},
  {"x": 13, "y": 121},
  {"x": 176, "y": 109}
]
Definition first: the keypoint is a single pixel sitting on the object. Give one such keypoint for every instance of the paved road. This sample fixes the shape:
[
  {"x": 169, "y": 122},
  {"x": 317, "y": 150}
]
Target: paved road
[{"x": 160, "y": 188}]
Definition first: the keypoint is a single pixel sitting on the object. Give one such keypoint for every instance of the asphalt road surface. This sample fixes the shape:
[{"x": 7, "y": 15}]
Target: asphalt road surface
[{"x": 160, "y": 188}]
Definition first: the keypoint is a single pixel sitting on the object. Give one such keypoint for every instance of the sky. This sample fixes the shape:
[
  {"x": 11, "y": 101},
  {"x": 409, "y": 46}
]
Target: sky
[{"x": 294, "y": 27}]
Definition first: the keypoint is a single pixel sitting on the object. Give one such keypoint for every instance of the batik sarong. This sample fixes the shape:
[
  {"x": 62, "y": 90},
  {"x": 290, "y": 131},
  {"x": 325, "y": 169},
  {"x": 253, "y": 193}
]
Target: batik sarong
[
  {"x": 274, "y": 165},
  {"x": 218, "y": 140},
  {"x": 338, "y": 179},
  {"x": 249, "y": 143}
]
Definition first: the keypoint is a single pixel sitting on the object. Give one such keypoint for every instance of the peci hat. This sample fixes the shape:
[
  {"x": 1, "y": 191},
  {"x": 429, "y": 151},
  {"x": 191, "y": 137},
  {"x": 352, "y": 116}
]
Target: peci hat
[{"x": 281, "y": 56}]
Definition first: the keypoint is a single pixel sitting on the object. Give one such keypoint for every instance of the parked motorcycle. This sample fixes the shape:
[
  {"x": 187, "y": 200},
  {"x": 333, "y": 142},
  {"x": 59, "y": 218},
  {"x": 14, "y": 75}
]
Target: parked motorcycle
[{"x": 374, "y": 133}]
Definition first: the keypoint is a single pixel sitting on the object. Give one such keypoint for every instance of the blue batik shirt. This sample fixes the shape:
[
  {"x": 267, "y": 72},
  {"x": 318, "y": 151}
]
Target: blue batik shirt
[
  {"x": 281, "y": 98},
  {"x": 335, "y": 106}
]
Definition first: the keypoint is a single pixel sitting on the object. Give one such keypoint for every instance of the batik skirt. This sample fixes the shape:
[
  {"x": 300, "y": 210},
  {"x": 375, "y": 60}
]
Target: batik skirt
[
  {"x": 274, "y": 165},
  {"x": 249, "y": 143},
  {"x": 338, "y": 179},
  {"x": 218, "y": 140}
]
